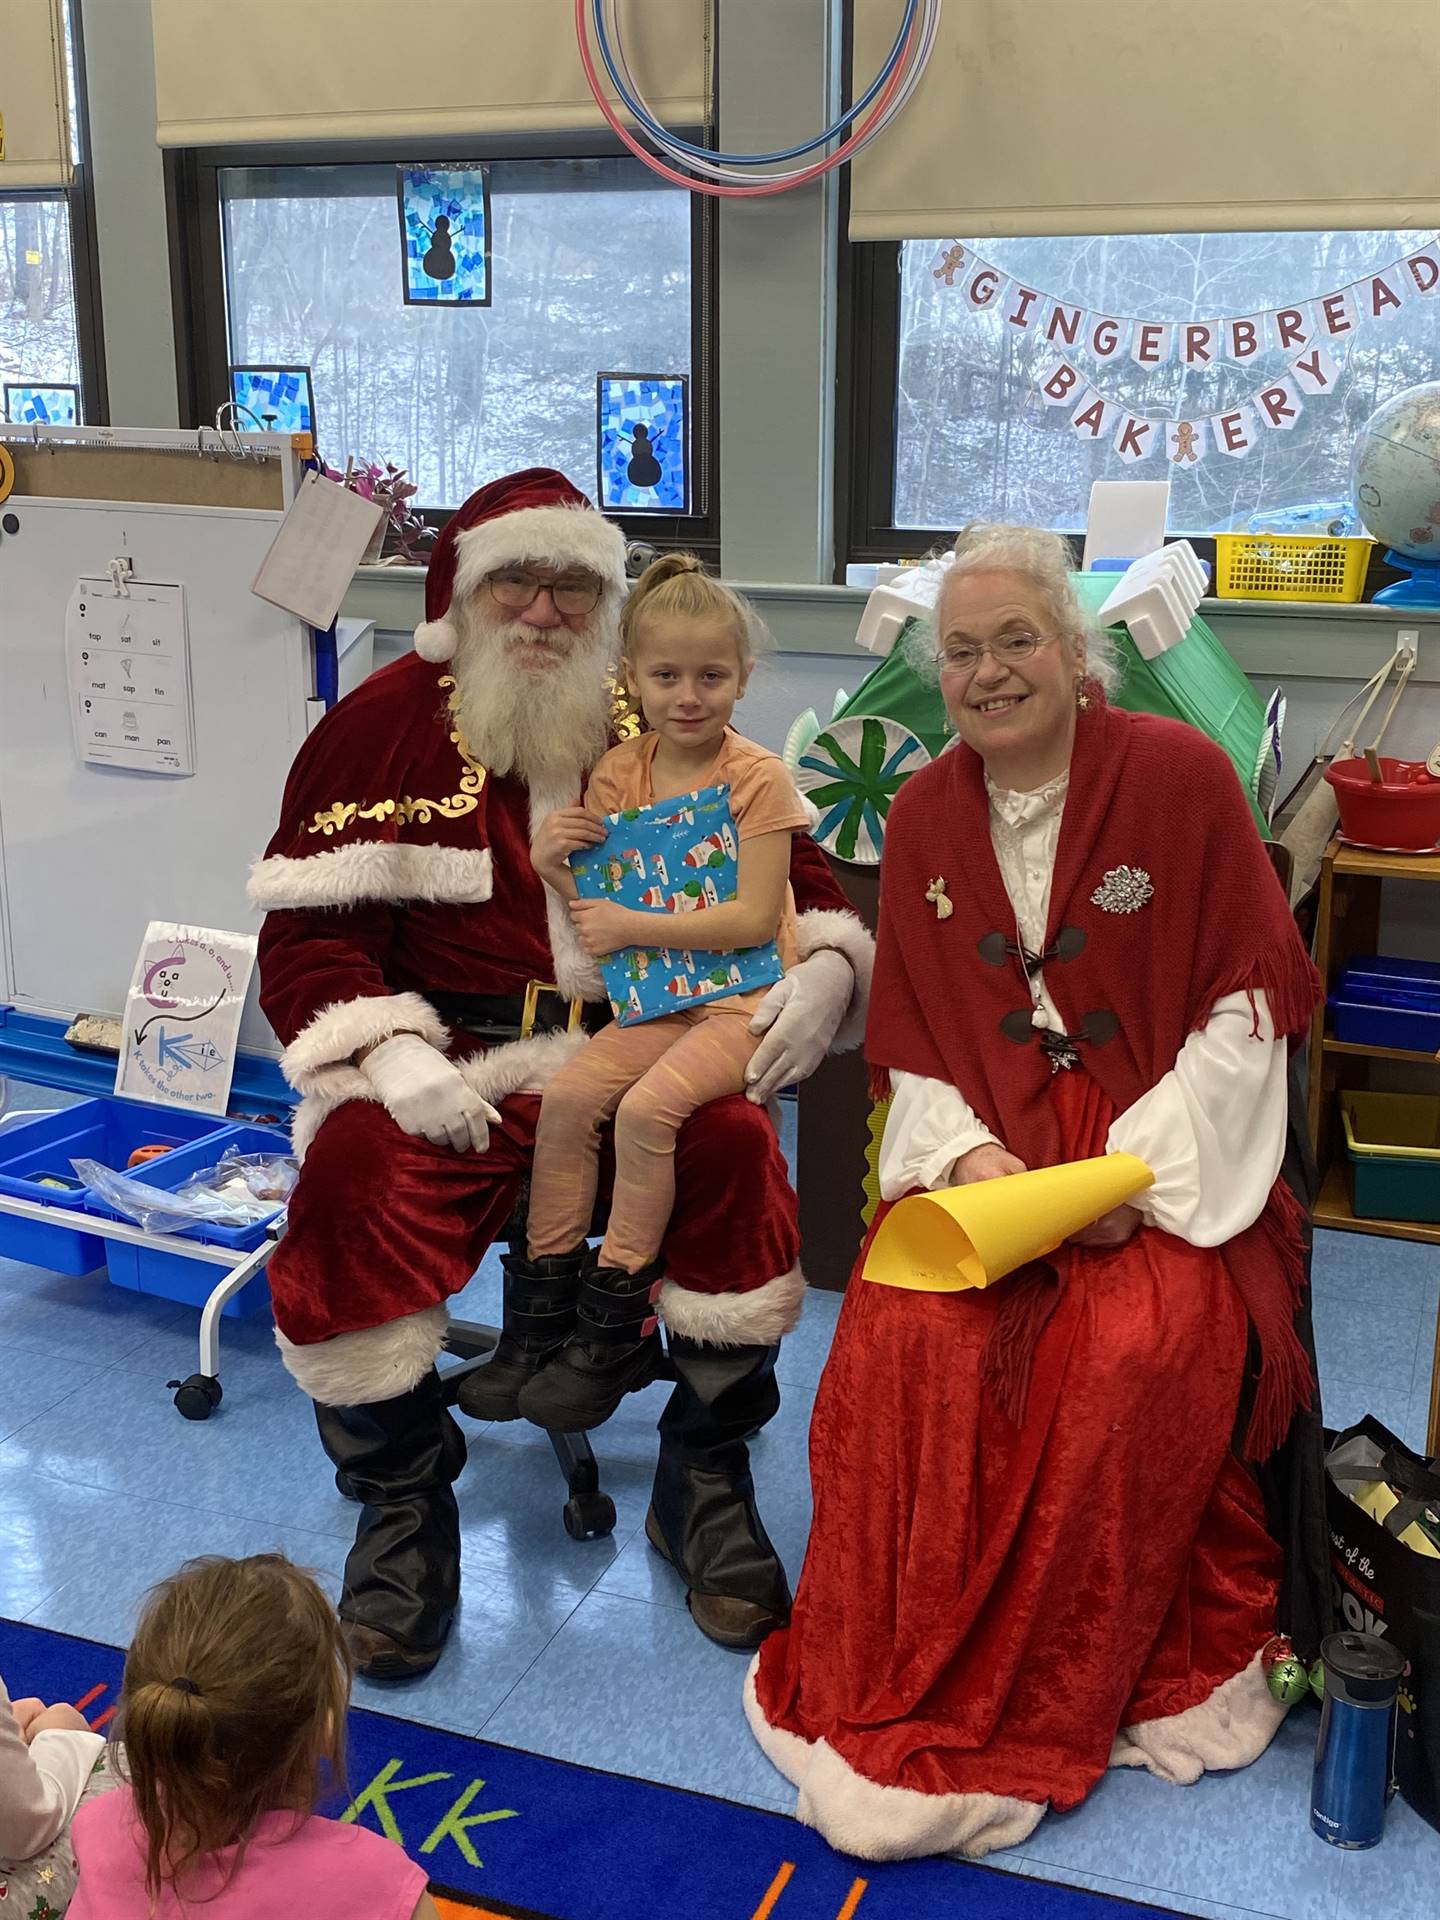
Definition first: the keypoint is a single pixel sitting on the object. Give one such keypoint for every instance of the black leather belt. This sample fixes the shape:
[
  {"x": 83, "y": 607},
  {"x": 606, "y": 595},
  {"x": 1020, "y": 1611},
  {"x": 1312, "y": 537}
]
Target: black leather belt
[{"x": 540, "y": 1008}]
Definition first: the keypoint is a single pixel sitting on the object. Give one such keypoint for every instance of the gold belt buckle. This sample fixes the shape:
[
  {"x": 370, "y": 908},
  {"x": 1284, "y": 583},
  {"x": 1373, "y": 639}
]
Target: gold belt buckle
[{"x": 533, "y": 991}]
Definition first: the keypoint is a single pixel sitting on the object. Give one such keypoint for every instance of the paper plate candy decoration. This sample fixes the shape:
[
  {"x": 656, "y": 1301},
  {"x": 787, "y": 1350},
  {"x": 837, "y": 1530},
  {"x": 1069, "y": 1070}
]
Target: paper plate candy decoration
[
  {"x": 960, "y": 1237},
  {"x": 852, "y": 771}
]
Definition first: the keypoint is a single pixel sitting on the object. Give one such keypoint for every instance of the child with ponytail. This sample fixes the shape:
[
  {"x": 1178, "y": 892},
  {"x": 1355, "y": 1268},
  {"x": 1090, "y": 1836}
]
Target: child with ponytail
[
  {"x": 688, "y": 648},
  {"x": 232, "y": 1718}
]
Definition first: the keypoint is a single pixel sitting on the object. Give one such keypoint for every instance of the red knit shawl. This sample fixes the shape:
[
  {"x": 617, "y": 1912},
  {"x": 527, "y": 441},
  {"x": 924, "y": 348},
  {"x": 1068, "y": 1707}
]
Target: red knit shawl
[{"x": 1146, "y": 794}]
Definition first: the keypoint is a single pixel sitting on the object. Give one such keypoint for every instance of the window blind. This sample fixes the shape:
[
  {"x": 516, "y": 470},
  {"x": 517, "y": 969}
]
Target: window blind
[
  {"x": 1040, "y": 117},
  {"x": 231, "y": 72},
  {"x": 34, "y": 95}
]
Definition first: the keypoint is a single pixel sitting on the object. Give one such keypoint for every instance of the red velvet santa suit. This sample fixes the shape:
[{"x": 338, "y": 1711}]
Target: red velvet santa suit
[
  {"x": 400, "y": 880},
  {"x": 1035, "y": 1551},
  {"x": 401, "y": 868}
]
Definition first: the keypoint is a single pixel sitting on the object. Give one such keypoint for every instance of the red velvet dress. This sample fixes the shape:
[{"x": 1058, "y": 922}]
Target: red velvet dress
[{"x": 983, "y": 1606}]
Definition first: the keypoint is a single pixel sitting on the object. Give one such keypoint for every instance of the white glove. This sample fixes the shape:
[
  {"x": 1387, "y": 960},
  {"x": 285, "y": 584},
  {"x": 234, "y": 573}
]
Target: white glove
[
  {"x": 425, "y": 1094},
  {"x": 799, "y": 1017}
]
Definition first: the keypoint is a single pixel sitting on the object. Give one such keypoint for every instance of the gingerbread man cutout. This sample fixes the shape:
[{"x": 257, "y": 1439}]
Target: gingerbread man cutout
[{"x": 951, "y": 264}]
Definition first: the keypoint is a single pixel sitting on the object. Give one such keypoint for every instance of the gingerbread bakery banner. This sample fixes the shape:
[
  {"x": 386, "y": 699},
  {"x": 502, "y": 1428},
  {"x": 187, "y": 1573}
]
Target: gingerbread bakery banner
[{"x": 1312, "y": 334}]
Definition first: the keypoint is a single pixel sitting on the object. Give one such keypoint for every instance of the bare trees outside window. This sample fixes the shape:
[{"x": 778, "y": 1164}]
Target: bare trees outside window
[
  {"x": 591, "y": 266},
  {"x": 972, "y": 439}
]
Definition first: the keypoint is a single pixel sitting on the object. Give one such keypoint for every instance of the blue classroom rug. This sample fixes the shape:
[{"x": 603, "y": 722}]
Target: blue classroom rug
[{"x": 505, "y": 1833}]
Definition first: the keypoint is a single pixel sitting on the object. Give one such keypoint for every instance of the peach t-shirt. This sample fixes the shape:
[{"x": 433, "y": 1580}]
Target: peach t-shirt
[{"x": 763, "y": 799}]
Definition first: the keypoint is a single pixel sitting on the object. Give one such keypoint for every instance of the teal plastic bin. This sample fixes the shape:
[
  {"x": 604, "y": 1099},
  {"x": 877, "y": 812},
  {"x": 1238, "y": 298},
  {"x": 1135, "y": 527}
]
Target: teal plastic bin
[{"x": 1393, "y": 1140}]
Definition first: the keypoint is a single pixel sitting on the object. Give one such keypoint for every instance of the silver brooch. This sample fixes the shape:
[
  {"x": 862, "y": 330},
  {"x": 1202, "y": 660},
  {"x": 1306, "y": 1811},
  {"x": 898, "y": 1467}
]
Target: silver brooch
[{"x": 1123, "y": 890}]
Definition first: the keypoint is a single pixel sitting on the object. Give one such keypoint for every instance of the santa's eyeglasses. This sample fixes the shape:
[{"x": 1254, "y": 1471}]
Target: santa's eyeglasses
[{"x": 516, "y": 588}]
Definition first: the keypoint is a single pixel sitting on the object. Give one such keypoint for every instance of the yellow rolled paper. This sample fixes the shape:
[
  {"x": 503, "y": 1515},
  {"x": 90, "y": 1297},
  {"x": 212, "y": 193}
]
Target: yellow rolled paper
[{"x": 959, "y": 1237}]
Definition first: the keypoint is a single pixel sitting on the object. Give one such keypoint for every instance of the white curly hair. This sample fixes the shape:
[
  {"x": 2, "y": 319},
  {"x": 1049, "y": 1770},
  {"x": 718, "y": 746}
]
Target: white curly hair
[{"x": 1045, "y": 561}]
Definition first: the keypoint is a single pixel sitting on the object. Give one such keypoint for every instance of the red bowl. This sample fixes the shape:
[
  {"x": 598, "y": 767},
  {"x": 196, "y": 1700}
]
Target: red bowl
[{"x": 1402, "y": 811}]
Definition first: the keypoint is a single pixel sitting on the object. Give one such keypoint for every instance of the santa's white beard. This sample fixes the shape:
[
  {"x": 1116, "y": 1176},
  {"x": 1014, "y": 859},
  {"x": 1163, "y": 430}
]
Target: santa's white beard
[{"x": 546, "y": 725}]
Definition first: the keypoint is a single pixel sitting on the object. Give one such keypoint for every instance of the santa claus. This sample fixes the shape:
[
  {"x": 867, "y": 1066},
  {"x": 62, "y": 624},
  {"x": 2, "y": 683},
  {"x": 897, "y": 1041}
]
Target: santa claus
[{"x": 426, "y": 984}]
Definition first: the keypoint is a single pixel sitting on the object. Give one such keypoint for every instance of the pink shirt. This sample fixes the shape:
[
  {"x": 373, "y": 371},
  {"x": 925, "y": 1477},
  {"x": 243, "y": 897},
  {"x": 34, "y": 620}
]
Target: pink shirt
[{"x": 324, "y": 1871}]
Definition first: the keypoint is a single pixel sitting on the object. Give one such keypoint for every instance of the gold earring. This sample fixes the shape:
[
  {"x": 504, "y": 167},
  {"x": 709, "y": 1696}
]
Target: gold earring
[{"x": 1082, "y": 698}]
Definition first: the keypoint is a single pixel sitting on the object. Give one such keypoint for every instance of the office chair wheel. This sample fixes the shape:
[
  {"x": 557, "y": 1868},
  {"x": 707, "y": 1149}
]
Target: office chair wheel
[
  {"x": 197, "y": 1397},
  {"x": 344, "y": 1487},
  {"x": 589, "y": 1516}
]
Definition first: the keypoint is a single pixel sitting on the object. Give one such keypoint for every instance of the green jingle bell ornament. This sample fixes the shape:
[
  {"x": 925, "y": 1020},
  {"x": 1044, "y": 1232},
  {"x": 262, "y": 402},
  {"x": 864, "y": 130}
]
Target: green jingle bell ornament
[
  {"x": 1317, "y": 1679},
  {"x": 1288, "y": 1680}
]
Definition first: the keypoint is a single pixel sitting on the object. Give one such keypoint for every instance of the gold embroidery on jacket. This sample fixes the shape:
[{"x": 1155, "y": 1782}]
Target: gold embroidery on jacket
[{"x": 337, "y": 817}]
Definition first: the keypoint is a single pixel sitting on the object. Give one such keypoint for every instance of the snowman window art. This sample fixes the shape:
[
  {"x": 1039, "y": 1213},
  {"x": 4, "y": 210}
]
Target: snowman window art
[
  {"x": 642, "y": 449},
  {"x": 444, "y": 235}
]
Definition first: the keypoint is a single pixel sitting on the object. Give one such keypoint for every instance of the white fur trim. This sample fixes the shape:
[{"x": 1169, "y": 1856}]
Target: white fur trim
[
  {"x": 755, "y": 1319},
  {"x": 436, "y": 640},
  {"x": 378, "y": 1363},
  {"x": 558, "y": 536},
  {"x": 391, "y": 870},
  {"x": 845, "y": 934},
  {"x": 519, "y": 1066},
  {"x": 576, "y": 974},
  {"x": 885, "y": 1823},
  {"x": 1230, "y": 1729},
  {"x": 341, "y": 1030}
]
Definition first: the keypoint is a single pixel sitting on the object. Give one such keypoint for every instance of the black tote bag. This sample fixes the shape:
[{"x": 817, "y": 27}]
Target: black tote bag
[{"x": 1385, "y": 1587}]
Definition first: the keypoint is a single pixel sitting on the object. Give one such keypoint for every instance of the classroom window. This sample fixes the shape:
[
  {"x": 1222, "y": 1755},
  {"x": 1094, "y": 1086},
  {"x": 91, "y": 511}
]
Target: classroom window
[
  {"x": 957, "y": 430},
  {"x": 39, "y": 338},
  {"x": 594, "y": 269},
  {"x": 49, "y": 308}
]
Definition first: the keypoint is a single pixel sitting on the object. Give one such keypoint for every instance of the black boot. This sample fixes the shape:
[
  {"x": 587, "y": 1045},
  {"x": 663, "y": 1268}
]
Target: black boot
[
  {"x": 614, "y": 1350},
  {"x": 402, "y": 1577},
  {"x": 540, "y": 1297},
  {"x": 703, "y": 1517}
]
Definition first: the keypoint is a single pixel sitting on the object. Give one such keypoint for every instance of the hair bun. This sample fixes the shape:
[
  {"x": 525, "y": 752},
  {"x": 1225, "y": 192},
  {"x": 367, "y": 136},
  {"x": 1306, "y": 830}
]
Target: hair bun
[{"x": 670, "y": 566}]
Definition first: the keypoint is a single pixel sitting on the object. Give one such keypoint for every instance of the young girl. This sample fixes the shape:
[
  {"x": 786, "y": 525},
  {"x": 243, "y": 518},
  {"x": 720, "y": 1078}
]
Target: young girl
[
  {"x": 233, "y": 1715},
  {"x": 688, "y": 646},
  {"x": 50, "y": 1762}
]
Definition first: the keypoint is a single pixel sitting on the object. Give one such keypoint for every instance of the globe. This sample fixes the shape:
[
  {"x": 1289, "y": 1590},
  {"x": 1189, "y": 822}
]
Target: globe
[{"x": 1395, "y": 481}]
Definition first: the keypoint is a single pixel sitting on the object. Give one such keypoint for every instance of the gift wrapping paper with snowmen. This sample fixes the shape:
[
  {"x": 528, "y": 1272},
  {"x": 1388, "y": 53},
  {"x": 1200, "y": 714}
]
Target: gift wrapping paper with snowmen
[{"x": 679, "y": 856}]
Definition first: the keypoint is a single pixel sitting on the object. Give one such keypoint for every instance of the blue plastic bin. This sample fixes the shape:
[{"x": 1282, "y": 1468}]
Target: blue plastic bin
[
  {"x": 105, "y": 1130},
  {"x": 171, "y": 1275},
  {"x": 1380, "y": 970},
  {"x": 1384, "y": 1002}
]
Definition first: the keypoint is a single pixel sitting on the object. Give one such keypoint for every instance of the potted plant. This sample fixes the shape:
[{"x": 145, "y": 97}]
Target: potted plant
[{"x": 401, "y": 535}]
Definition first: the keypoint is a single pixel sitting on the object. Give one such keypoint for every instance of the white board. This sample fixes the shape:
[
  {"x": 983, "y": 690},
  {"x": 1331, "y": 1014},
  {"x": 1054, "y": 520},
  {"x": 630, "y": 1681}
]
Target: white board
[{"x": 89, "y": 855}]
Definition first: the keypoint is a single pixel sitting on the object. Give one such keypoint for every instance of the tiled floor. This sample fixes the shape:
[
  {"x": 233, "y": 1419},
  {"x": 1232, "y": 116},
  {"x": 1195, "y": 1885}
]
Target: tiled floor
[{"x": 585, "y": 1651}]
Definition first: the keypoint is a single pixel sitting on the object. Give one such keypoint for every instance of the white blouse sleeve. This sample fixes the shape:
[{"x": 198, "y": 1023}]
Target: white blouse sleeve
[
  {"x": 1213, "y": 1130},
  {"x": 40, "y": 1785},
  {"x": 929, "y": 1125}
]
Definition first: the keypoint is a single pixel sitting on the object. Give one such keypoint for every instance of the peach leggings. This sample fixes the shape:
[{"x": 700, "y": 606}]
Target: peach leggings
[{"x": 651, "y": 1078}]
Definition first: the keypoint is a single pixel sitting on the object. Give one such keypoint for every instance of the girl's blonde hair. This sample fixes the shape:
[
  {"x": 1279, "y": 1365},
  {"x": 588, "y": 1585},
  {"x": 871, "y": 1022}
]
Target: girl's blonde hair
[
  {"x": 233, "y": 1706},
  {"x": 1045, "y": 560},
  {"x": 677, "y": 585}
]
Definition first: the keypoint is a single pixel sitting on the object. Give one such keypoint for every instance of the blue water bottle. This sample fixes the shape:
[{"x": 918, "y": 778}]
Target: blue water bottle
[{"x": 1355, "y": 1752}]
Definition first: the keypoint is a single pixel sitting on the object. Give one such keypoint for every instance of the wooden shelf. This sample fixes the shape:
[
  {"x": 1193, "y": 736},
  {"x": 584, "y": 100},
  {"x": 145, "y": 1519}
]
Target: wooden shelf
[
  {"x": 1333, "y": 1209},
  {"x": 1379, "y": 1053},
  {"x": 1387, "y": 866}
]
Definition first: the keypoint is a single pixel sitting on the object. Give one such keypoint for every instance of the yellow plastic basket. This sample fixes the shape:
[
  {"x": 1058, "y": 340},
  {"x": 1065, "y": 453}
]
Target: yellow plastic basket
[{"x": 1290, "y": 566}]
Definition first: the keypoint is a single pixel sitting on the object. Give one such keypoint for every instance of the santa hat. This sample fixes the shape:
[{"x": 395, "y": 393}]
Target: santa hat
[{"x": 536, "y": 517}]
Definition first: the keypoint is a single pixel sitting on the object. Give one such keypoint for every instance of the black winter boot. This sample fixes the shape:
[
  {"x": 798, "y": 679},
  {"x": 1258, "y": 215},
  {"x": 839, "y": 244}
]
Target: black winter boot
[
  {"x": 703, "y": 1517},
  {"x": 402, "y": 1577},
  {"x": 614, "y": 1350},
  {"x": 540, "y": 1298}
]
